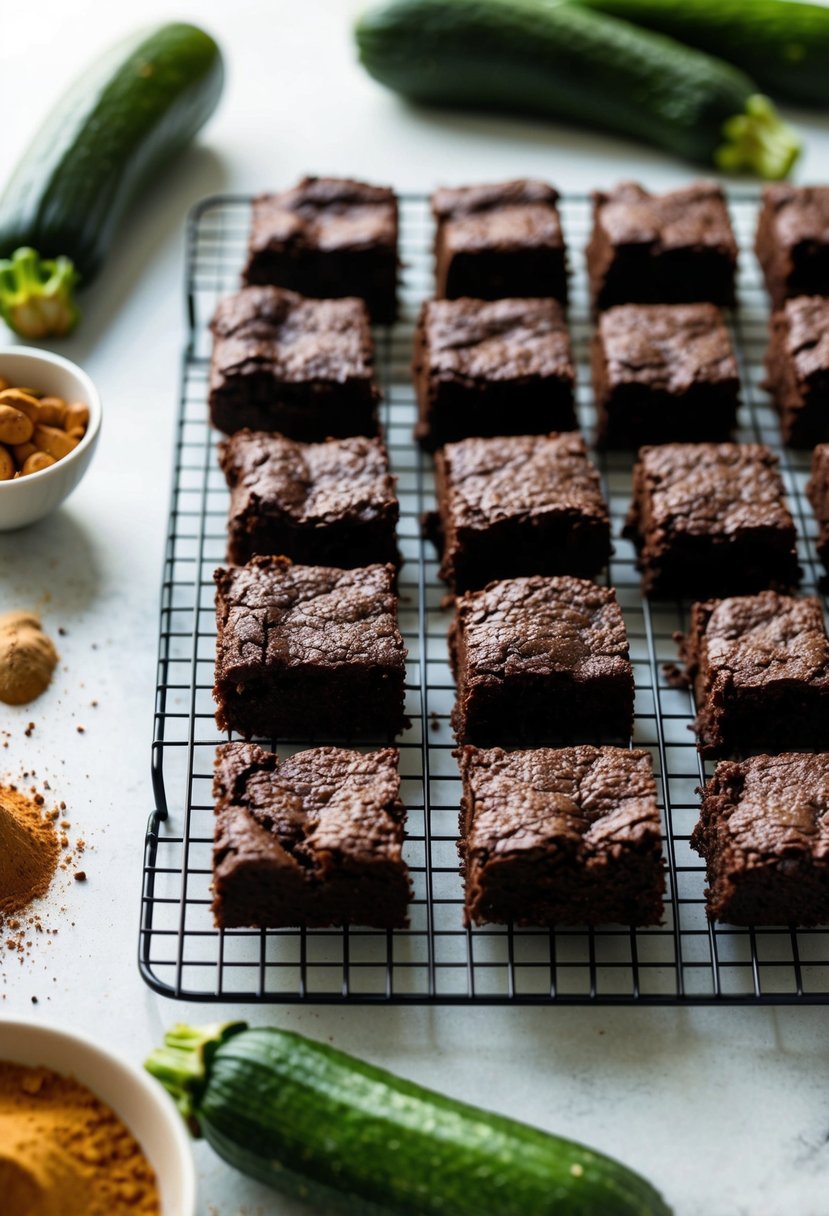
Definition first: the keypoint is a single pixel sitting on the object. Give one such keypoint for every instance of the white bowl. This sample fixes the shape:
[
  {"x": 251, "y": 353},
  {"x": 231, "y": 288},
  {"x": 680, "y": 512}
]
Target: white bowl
[
  {"x": 139, "y": 1101},
  {"x": 27, "y": 499}
]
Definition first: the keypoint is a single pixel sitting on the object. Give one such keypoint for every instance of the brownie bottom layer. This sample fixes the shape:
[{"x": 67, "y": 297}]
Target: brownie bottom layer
[
  {"x": 346, "y": 545},
  {"x": 370, "y": 275},
  {"x": 625, "y": 889},
  {"x": 630, "y": 418},
  {"x": 785, "y": 716},
  {"x": 309, "y": 413},
  {"x": 453, "y": 412},
  {"x": 258, "y": 895},
  {"x": 708, "y": 568},
  {"x": 533, "y": 274},
  {"x": 308, "y": 704},
  {"x": 545, "y": 709}
]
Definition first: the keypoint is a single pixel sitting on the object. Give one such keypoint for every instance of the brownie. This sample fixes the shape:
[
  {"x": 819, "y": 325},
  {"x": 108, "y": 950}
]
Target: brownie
[
  {"x": 764, "y": 834},
  {"x": 308, "y": 650},
  {"x": 792, "y": 243},
  {"x": 560, "y": 836},
  {"x": 313, "y": 840},
  {"x": 503, "y": 367},
  {"x": 284, "y": 363},
  {"x": 817, "y": 490},
  {"x": 797, "y": 369},
  {"x": 515, "y": 505},
  {"x": 501, "y": 239},
  {"x": 711, "y": 519},
  {"x": 759, "y": 665},
  {"x": 664, "y": 373},
  {"x": 321, "y": 504},
  {"x": 328, "y": 237},
  {"x": 540, "y": 660},
  {"x": 676, "y": 248}
]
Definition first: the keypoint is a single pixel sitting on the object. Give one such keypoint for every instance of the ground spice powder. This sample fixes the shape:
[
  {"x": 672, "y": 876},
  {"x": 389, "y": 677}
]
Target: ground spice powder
[
  {"x": 29, "y": 850},
  {"x": 63, "y": 1152}
]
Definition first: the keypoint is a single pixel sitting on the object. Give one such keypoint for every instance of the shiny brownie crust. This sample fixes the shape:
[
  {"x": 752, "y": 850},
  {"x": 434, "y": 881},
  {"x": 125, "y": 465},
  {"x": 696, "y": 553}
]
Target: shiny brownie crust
[
  {"x": 503, "y": 367},
  {"x": 764, "y": 834},
  {"x": 321, "y": 504},
  {"x": 518, "y": 505},
  {"x": 567, "y": 836},
  {"x": 313, "y": 840},
  {"x": 540, "y": 660},
  {"x": 792, "y": 242},
  {"x": 711, "y": 519},
  {"x": 283, "y": 363},
  {"x": 675, "y": 248},
  {"x": 664, "y": 373},
  {"x": 308, "y": 651},
  {"x": 797, "y": 369},
  {"x": 501, "y": 239},
  {"x": 327, "y": 238},
  {"x": 759, "y": 666}
]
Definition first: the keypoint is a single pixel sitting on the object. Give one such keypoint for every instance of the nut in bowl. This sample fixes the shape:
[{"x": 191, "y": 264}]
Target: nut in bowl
[
  {"x": 45, "y": 1169},
  {"x": 50, "y": 419}
]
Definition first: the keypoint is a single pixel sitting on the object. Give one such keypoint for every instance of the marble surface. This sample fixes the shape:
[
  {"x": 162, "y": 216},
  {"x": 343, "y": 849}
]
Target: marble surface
[{"x": 725, "y": 1109}]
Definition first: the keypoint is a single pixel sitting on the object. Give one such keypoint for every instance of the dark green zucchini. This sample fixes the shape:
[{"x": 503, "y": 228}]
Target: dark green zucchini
[
  {"x": 104, "y": 142},
  {"x": 323, "y": 1126},
  {"x": 560, "y": 60},
  {"x": 784, "y": 45}
]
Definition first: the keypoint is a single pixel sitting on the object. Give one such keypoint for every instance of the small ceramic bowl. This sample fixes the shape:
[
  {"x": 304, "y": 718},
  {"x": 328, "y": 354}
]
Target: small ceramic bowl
[
  {"x": 26, "y": 499},
  {"x": 139, "y": 1101}
]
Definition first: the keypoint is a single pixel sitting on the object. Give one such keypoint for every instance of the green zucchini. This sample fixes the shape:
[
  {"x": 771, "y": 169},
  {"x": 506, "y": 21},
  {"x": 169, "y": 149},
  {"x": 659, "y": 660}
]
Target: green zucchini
[
  {"x": 325, "y": 1127},
  {"x": 784, "y": 45},
  {"x": 558, "y": 59},
  {"x": 104, "y": 142}
]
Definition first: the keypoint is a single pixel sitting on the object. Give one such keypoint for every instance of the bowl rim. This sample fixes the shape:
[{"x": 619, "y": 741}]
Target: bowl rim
[
  {"x": 93, "y": 401},
  {"x": 163, "y": 1105}
]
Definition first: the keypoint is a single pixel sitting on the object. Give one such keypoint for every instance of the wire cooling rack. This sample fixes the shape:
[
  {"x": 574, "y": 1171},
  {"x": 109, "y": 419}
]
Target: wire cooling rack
[{"x": 437, "y": 960}]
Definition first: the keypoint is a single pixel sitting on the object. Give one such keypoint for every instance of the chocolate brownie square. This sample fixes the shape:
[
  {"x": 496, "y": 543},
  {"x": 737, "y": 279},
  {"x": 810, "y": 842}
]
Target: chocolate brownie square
[
  {"x": 308, "y": 650},
  {"x": 664, "y": 373},
  {"x": 711, "y": 519},
  {"x": 792, "y": 242},
  {"x": 328, "y": 237},
  {"x": 515, "y": 505},
  {"x": 817, "y": 490},
  {"x": 499, "y": 240},
  {"x": 498, "y": 368},
  {"x": 759, "y": 666},
  {"x": 284, "y": 363},
  {"x": 764, "y": 834},
  {"x": 675, "y": 248},
  {"x": 797, "y": 367},
  {"x": 540, "y": 660},
  {"x": 321, "y": 504},
  {"x": 313, "y": 840},
  {"x": 560, "y": 836}
]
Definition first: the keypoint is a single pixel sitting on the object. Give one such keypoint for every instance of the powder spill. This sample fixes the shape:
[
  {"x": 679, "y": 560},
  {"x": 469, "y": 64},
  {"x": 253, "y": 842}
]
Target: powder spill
[
  {"x": 29, "y": 851},
  {"x": 63, "y": 1152}
]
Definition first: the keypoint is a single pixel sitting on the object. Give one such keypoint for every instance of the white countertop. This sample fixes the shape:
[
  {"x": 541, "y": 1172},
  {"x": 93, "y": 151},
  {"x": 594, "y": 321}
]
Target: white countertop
[{"x": 726, "y": 1110}]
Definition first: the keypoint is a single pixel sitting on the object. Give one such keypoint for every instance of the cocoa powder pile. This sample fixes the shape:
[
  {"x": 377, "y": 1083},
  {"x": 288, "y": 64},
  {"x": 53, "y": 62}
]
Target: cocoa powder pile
[{"x": 29, "y": 851}]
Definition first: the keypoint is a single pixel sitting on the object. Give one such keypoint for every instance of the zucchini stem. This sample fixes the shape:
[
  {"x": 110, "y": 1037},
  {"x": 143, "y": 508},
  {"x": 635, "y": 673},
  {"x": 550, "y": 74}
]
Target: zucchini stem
[
  {"x": 183, "y": 1063},
  {"x": 758, "y": 141},
  {"x": 36, "y": 294}
]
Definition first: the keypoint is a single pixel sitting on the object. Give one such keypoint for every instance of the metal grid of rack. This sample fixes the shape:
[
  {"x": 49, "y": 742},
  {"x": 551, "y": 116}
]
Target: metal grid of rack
[{"x": 437, "y": 960}]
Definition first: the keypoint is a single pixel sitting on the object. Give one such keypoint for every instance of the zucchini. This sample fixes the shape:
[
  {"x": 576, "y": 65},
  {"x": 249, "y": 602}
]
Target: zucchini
[
  {"x": 323, "y": 1126},
  {"x": 104, "y": 142},
  {"x": 558, "y": 59},
  {"x": 783, "y": 44}
]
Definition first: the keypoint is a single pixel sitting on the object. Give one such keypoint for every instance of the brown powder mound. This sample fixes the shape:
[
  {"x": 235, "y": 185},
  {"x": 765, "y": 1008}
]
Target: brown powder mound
[
  {"x": 27, "y": 658},
  {"x": 29, "y": 849},
  {"x": 63, "y": 1152}
]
